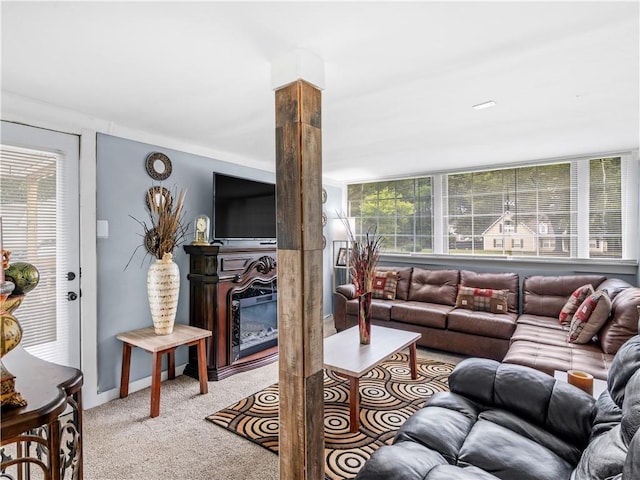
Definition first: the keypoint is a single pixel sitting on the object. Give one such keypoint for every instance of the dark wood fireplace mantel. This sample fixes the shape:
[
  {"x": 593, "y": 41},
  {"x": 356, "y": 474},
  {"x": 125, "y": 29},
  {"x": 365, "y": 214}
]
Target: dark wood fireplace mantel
[{"x": 215, "y": 274}]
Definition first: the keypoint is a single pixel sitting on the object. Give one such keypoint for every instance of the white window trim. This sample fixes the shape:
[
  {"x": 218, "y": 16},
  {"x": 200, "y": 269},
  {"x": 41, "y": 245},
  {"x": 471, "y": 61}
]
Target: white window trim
[
  {"x": 581, "y": 170},
  {"x": 630, "y": 210}
]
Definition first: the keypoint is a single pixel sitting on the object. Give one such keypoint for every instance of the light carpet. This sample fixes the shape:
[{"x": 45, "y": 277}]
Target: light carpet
[{"x": 388, "y": 397}]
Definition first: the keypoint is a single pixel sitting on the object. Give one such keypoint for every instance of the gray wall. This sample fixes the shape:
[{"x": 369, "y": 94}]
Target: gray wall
[{"x": 122, "y": 182}]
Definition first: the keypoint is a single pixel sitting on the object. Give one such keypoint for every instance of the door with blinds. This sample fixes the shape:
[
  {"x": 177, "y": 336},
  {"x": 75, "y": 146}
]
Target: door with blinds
[{"x": 39, "y": 208}]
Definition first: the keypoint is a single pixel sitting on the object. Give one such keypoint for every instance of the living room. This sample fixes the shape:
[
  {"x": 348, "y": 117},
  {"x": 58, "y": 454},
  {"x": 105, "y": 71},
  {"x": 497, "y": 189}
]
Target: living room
[{"x": 195, "y": 83}]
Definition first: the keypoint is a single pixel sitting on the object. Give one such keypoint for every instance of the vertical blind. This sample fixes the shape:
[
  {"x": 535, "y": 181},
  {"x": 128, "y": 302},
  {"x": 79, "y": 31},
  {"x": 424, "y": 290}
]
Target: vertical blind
[{"x": 31, "y": 218}]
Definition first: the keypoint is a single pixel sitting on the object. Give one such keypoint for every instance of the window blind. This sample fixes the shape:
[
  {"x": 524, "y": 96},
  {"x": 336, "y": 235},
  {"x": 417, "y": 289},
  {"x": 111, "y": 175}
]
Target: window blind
[
  {"x": 526, "y": 210},
  {"x": 31, "y": 218},
  {"x": 575, "y": 208}
]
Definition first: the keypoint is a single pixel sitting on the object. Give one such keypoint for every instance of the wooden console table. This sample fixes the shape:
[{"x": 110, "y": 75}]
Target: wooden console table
[
  {"x": 35, "y": 438},
  {"x": 158, "y": 345},
  {"x": 216, "y": 273}
]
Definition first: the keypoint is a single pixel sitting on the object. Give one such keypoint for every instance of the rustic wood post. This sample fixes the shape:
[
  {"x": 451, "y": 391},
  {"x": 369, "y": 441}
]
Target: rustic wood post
[{"x": 299, "y": 210}]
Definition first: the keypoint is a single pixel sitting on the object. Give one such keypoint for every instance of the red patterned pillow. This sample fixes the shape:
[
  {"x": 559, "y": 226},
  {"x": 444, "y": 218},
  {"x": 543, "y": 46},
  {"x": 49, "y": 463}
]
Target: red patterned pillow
[
  {"x": 483, "y": 299},
  {"x": 590, "y": 317},
  {"x": 384, "y": 285},
  {"x": 575, "y": 300}
]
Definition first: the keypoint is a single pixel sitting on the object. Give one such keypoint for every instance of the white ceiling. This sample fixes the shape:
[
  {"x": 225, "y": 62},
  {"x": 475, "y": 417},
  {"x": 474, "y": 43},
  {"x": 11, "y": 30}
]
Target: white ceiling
[{"x": 400, "y": 78}]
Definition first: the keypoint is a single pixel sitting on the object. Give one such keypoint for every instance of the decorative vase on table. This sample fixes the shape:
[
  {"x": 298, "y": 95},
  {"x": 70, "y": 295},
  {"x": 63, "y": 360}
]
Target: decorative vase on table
[
  {"x": 164, "y": 231},
  {"x": 364, "y": 317},
  {"x": 163, "y": 287},
  {"x": 363, "y": 259}
]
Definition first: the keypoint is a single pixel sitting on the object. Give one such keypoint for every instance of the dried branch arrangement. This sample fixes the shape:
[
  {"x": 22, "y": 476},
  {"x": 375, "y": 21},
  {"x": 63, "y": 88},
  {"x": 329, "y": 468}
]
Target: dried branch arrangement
[
  {"x": 166, "y": 228},
  {"x": 363, "y": 258}
]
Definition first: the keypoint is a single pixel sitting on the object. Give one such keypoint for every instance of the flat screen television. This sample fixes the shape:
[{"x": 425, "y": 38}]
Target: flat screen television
[{"x": 243, "y": 209}]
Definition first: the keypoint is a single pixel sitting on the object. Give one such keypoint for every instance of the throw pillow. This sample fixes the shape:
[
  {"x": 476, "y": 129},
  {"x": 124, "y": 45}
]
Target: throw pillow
[
  {"x": 384, "y": 285},
  {"x": 482, "y": 299},
  {"x": 590, "y": 317},
  {"x": 575, "y": 300}
]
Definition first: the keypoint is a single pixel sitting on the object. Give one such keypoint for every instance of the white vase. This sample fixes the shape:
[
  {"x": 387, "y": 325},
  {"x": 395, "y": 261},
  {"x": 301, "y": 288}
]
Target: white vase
[{"x": 163, "y": 287}]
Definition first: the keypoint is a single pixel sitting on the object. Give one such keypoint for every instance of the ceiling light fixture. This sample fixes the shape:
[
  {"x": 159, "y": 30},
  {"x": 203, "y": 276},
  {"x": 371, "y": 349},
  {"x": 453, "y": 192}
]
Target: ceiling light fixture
[{"x": 482, "y": 106}]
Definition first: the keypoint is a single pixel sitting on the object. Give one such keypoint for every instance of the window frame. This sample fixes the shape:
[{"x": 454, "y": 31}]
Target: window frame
[{"x": 580, "y": 248}]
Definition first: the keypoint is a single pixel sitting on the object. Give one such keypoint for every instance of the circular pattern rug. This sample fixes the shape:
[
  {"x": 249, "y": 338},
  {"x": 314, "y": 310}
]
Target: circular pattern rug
[{"x": 388, "y": 397}]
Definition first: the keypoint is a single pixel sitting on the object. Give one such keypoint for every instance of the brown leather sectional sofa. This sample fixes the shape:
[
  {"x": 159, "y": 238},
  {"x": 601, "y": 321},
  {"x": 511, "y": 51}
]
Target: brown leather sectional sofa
[{"x": 529, "y": 335}]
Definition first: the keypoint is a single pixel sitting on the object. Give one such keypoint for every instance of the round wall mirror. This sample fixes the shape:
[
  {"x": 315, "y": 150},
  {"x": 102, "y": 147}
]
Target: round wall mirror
[{"x": 158, "y": 166}]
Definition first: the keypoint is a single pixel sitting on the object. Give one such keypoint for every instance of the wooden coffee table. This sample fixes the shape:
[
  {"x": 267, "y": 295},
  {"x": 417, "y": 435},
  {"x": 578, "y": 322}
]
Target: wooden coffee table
[{"x": 344, "y": 355}]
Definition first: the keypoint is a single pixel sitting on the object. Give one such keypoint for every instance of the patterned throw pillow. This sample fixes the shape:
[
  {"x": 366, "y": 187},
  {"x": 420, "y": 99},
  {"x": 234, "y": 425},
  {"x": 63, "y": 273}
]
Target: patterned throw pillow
[
  {"x": 483, "y": 299},
  {"x": 575, "y": 300},
  {"x": 384, "y": 285},
  {"x": 590, "y": 317}
]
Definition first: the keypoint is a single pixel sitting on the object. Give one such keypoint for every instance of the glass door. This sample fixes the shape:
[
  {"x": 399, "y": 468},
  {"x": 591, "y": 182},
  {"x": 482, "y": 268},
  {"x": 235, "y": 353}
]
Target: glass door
[{"x": 39, "y": 208}]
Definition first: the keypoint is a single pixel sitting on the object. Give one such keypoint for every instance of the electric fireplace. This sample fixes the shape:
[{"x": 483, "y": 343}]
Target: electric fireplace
[{"x": 254, "y": 320}]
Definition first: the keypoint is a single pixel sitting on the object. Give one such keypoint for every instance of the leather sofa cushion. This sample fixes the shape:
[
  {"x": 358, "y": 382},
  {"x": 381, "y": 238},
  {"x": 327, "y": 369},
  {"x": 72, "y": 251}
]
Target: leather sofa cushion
[
  {"x": 406, "y": 461},
  {"x": 623, "y": 323},
  {"x": 603, "y": 458},
  {"x": 420, "y": 313},
  {"x": 497, "y": 281},
  {"x": 632, "y": 463},
  {"x": 404, "y": 280},
  {"x": 511, "y": 455},
  {"x": 443, "y": 426},
  {"x": 454, "y": 472},
  {"x": 541, "y": 321},
  {"x": 487, "y": 324},
  {"x": 533, "y": 396},
  {"x": 613, "y": 286},
  {"x": 545, "y": 295},
  {"x": 548, "y": 358},
  {"x": 542, "y": 335},
  {"x": 380, "y": 309},
  {"x": 434, "y": 286},
  {"x": 626, "y": 364}
]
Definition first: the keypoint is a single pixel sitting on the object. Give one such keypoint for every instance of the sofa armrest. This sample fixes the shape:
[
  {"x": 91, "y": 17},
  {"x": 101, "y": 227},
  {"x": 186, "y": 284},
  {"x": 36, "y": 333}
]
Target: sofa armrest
[
  {"x": 347, "y": 290},
  {"x": 341, "y": 296},
  {"x": 533, "y": 395}
]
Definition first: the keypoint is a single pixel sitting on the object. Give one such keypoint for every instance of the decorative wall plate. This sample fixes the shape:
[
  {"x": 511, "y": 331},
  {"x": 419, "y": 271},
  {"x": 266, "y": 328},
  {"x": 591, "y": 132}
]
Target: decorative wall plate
[
  {"x": 158, "y": 166},
  {"x": 324, "y": 219},
  {"x": 161, "y": 197},
  {"x": 151, "y": 241},
  {"x": 324, "y": 242},
  {"x": 324, "y": 196}
]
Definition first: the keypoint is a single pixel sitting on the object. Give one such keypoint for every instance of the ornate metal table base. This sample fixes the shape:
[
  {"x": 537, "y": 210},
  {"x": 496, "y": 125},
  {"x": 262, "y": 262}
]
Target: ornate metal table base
[{"x": 44, "y": 438}]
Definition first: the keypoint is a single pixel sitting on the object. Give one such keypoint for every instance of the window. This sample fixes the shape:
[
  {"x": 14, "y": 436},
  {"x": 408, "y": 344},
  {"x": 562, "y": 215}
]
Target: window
[
  {"x": 28, "y": 208},
  {"x": 399, "y": 210},
  {"x": 605, "y": 208},
  {"x": 570, "y": 209},
  {"x": 511, "y": 201}
]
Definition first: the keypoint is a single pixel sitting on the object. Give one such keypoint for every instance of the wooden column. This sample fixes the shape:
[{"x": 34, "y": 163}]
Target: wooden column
[{"x": 299, "y": 210}]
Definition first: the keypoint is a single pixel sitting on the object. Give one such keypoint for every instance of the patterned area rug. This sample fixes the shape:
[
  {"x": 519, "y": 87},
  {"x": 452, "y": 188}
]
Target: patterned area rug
[{"x": 388, "y": 398}]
